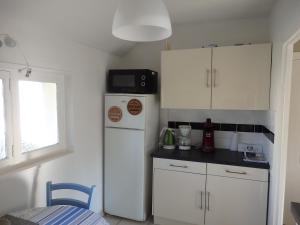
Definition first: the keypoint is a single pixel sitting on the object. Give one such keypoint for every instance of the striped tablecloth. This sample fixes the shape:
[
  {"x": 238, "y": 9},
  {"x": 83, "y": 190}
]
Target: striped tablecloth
[{"x": 61, "y": 215}]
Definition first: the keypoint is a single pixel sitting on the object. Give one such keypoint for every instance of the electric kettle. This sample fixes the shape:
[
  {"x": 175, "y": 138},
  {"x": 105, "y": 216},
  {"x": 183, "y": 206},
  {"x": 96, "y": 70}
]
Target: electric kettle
[{"x": 167, "y": 138}]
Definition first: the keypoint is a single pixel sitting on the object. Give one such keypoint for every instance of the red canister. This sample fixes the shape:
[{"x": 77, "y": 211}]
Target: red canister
[{"x": 208, "y": 143}]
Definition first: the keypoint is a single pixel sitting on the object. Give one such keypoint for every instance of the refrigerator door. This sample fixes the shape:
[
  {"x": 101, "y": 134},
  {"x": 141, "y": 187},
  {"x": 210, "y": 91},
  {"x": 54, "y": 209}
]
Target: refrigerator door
[
  {"x": 124, "y": 173},
  {"x": 125, "y": 111}
]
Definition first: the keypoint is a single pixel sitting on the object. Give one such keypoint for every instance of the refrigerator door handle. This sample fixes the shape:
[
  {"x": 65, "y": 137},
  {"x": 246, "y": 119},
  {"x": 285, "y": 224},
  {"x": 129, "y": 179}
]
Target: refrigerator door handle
[{"x": 123, "y": 128}]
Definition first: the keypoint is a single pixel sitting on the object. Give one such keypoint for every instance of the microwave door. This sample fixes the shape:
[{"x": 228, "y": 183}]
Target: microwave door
[
  {"x": 132, "y": 81},
  {"x": 123, "y": 83},
  {"x": 124, "y": 80}
]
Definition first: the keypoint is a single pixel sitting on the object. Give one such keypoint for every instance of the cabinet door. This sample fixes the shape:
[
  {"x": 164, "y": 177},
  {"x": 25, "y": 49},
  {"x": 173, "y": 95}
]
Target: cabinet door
[
  {"x": 177, "y": 196},
  {"x": 241, "y": 77},
  {"x": 232, "y": 201},
  {"x": 186, "y": 79}
]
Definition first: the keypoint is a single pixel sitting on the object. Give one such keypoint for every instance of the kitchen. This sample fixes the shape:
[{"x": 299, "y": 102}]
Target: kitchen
[
  {"x": 226, "y": 61},
  {"x": 200, "y": 165}
]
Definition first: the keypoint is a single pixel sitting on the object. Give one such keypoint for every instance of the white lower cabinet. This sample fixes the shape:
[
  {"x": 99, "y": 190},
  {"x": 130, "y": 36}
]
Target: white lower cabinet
[
  {"x": 236, "y": 201},
  {"x": 178, "y": 192},
  {"x": 178, "y": 196},
  {"x": 189, "y": 193}
]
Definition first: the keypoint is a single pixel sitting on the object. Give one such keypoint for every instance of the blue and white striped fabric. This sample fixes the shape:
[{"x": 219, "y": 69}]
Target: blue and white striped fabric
[{"x": 61, "y": 215}]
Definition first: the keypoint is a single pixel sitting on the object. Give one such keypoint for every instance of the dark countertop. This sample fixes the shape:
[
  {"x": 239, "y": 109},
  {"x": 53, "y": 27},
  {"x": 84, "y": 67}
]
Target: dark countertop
[
  {"x": 295, "y": 208},
  {"x": 220, "y": 156}
]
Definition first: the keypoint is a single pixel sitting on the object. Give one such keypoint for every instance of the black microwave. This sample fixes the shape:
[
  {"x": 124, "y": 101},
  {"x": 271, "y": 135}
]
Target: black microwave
[{"x": 136, "y": 81}]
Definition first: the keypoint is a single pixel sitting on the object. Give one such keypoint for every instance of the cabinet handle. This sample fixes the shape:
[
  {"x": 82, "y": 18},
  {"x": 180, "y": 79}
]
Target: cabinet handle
[
  {"x": 235, "y": 172},
  {"x": 215, "y": 77},
  {"x": 208, "y": 196},
  {"x": 201, "y": 206},
  {"x": 207, "y": 78},
  {"x": 172, "y": 165}
]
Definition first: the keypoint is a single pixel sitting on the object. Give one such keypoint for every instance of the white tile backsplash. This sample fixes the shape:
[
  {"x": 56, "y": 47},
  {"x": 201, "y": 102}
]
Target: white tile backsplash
[
  {"x": 251, "y": 138},
  {"x": 219, "y": 116},
  {"x": 223, "y": 139}
]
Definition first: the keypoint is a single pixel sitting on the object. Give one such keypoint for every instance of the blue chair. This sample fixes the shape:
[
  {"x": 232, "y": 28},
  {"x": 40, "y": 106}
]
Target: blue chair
[{"x": 67, "y": 201}]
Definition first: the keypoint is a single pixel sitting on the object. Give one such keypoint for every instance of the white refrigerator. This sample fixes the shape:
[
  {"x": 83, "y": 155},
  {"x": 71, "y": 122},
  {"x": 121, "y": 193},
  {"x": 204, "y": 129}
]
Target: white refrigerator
[{"x": 131, "y": 134}]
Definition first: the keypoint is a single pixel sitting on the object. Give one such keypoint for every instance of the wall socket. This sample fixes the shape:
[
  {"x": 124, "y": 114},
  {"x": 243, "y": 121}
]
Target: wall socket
[{"x": 243, "y": 147}]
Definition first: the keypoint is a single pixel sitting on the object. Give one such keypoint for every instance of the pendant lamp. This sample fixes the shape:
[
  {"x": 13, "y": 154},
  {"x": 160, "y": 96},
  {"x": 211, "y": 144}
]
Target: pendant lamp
[{"x": 142, "y": 21}]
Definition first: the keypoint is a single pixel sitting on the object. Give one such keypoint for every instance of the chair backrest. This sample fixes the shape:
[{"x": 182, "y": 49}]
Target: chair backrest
[{"x": 68, "y": 201}]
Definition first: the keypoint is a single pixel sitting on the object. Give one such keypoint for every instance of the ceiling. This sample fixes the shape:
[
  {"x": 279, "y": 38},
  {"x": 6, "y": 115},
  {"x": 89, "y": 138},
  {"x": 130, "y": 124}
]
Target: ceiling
[{"x": 89, "y": 21}]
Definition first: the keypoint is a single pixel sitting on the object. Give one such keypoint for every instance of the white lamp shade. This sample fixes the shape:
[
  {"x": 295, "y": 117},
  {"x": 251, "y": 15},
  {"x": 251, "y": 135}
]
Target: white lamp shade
[{"x": 142, "y": 21}]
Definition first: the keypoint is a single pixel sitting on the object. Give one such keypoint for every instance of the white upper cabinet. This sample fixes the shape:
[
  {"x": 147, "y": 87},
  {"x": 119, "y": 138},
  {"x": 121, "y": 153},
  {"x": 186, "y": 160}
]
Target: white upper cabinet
[
  {"x": 234, "y": 77},
  {"x": 241, "y": 77},
  {"x": 186, "y": 79}
]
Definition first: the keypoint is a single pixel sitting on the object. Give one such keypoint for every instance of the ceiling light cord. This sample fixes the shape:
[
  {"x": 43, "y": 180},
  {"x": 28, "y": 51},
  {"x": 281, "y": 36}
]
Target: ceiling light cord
[{"x": 11, "y": 42}]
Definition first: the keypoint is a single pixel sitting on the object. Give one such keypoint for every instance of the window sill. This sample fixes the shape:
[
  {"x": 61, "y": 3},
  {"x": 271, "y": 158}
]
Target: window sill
[{"x": 33, "y": 162}]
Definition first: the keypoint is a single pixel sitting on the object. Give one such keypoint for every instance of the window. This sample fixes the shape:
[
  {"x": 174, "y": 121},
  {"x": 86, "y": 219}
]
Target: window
[
  {"x": 2, "y": 123},
  {"x": 38, "y": 115},
  {"x": 31, "y": 115}
]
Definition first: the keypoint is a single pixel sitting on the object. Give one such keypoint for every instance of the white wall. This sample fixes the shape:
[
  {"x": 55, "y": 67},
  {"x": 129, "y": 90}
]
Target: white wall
[
  {"x": 86, "y": 70},
  {"x": 285, "y": 21},
  {"x": 293, "y": 153}
]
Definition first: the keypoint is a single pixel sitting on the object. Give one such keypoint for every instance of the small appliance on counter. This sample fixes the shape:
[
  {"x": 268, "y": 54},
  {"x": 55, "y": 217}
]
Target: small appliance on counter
[
  {"x": 252, "y": 153},
  {"x": 208, "y": 143},
  {"x": 184, "y": 140},
  {"x": 254, "y": 157},
  {"x": 167, "y": 138}
]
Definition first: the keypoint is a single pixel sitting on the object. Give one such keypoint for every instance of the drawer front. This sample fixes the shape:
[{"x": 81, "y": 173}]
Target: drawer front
[
  {"x": 238, "y": 172},
  {"x": 179, "y": 165}
]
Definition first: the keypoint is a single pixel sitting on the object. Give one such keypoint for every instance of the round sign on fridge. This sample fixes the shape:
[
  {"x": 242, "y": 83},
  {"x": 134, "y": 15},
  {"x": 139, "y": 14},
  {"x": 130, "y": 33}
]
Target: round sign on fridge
[
  {"x": 134, "y": 107},
  {"x": 115, "y": 114}
]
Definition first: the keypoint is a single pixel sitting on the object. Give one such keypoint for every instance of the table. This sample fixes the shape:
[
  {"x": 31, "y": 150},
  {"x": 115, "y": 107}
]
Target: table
[{"x": 61, "y": 215}]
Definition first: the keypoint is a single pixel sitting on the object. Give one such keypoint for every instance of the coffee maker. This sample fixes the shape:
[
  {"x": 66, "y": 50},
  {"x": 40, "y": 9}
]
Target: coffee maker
[{"x": 184, "y": 139}]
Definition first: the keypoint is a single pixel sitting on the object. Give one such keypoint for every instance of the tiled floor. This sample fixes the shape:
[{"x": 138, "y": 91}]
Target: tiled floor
[{"x": 119, "y": 221}]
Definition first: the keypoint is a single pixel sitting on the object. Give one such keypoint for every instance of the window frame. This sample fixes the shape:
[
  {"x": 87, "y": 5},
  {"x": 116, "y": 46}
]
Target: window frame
[
  {"x": 15, "y": 156},
  {"x": 5, "y": 75}
]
